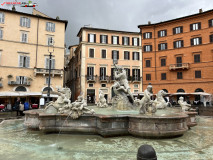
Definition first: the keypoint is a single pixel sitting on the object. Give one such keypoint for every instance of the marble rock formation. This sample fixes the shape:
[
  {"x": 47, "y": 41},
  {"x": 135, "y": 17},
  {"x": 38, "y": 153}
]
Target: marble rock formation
[
  {"x": 184, "y": 105},
  {"x": 102, "y": 101}
]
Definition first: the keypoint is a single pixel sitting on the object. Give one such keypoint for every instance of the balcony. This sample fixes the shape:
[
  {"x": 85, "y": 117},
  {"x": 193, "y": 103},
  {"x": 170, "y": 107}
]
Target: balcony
[
  {"x": 19, "y": 83},
  {"x": 104, "y": 79},
  {"x": 179, "y": 66},
  {"x": 136, "y": 79},
  {"x": 91, "y": 79},
  {"x": 44, "y": 71}
]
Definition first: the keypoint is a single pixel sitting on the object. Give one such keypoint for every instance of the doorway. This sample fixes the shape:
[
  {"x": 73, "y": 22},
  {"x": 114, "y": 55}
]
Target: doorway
[{"x": 91, "y": 96}]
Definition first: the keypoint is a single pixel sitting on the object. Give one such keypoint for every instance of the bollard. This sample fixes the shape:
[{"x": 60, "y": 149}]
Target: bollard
[{"x": 146, "y": 152}]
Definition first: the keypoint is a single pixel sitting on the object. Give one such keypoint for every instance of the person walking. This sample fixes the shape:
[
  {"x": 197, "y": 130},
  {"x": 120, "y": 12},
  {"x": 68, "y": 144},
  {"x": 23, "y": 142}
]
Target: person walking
[{"x": 16, "y": 106}]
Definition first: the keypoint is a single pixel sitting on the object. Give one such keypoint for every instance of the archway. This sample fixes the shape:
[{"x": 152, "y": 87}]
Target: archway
[
  {"x": 197, "y": 97},
  {"x": 21, "y": 89},
  {"x": 165, "y": 90},
  {"x": 47, "y": 88},
  {"x": 199, "y": 90},
  {"x": 180, "y": 91}
]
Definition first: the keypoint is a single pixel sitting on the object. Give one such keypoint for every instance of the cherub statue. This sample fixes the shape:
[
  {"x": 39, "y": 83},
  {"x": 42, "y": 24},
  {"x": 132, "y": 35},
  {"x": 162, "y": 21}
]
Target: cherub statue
[
  {"x": 102, "y": 101},
  {"x": 184, "y": 105}
]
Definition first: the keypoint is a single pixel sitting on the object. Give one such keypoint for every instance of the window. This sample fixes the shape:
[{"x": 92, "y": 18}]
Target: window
[
  {"x": 103, "y": 85},
  {"x": 1, "y": 33},
  {"x": 179, "y": 75},
  {"x": 24, "y": 38},
  {"x": 136, "y": 85},
  {"x": 195, "y": 26},
  {"x": 178, "y": 30},
  {"x": 50, "y": 26},
  {"x": 21, "y": 80},
  {"x": 90, "y": 73},
  {"x": 125, "y": 41},
  {"x": 211, "y": 38},
  {"x": 50, "y": 40},
  {"x": 147, "y": 48},
  {"x": 112, "y": 74},
  {"x": 210, "y": 22},
  {"x": 92, "y": 38},
  {"x": 197, "y": 74},
  {"x": 104, "y": 39},
  {"x": 197, "y": 58},
  {"x": 47, "y": 80},
  {"x": 148, "y": 63},
  {"x": 162, "y": 33},
  {"x": 115, "y": 55},
  {"x": 91, "y": 53},
  {"x": 24, "y": 61},
  {"x": 103, "y": 53},
  {"x": 115, "y": 40},
  {"x": 135, "y": 41},
  {"x": 25, "y": 22},
  {"x": 147, "y": 35},
  {"x": 163, "y": 76},
  {"x": 1, "y": 17},
  {"x": 178, "y": 44},
  {"x": 90, "y": 84},
  {"x": 127, "y": 73},
  {"x": 136, "y": 74},
  {"x": 162, "y": 46},
  {"x": 135, "y": 56},
  {"x": 163, "y": 62},
  {"x": 47, "y": 63},
  {"x": 126, "y": 55},
  {"x": 148, "y": 77},
  {"x": 196, "y": 41},
  {"x": 102, "y": 73}
]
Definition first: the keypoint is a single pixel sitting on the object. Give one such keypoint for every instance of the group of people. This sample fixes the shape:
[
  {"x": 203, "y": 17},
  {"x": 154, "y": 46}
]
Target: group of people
[{"x": 20, "y": 107}]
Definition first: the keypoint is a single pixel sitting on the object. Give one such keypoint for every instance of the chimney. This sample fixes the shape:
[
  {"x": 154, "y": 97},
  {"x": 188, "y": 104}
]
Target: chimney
[
  {"x": 200, "y": 10},
  {"x": 13, "y": 8},
  {"x": 149, "y": 22}
]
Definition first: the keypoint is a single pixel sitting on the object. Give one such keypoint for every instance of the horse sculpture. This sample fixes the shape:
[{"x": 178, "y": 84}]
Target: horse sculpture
[{"x": 159, "y": 102}]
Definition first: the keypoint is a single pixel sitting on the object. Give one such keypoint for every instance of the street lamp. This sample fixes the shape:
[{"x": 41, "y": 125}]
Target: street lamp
[{"x": 50, "y": 50}]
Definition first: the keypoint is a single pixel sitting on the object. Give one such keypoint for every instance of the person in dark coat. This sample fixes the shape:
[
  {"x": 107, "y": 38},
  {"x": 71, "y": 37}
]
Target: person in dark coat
[{"x": 16, "y": 106}]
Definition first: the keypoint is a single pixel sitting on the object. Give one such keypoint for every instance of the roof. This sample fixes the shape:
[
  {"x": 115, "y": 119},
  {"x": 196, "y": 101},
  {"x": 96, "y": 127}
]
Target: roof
[
  {"x": 37, "y": 16},
  {"x": 105, "y": 30},
  {"x": 177, "y": 19},
  {"x": 76, "y": 45}
]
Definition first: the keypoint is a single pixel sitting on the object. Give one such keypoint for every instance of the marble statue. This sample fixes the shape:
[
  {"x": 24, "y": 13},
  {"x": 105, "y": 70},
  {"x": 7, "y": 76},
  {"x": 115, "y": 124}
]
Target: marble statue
[
  {"x": 146, "y": 104},
  {"x": 102, "y": 101},
  {"x": 63, "y": 105},
  {"x": 184, "y": 105},
  {"x": 123, "y": 99},
  {"x": 160, "y": 102}
]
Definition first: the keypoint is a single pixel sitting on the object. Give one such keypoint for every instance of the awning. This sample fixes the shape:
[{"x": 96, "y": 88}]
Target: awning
[
  {"x": 201, "y": 93},
  {"x": 51, "y": 95},
  {"x": 180, "y": 93},
  {"x": 19, "y": 94}
]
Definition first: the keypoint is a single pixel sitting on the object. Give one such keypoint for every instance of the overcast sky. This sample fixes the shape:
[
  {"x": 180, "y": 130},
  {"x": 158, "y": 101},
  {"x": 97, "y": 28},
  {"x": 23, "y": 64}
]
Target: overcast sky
[{"x": 123, "y": 15}]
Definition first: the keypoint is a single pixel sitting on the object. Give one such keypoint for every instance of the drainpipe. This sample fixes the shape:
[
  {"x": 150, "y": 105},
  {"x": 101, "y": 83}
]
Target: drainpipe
[
  {"x": 155, "y": 55},
  {"x": 37, "y": 45}
]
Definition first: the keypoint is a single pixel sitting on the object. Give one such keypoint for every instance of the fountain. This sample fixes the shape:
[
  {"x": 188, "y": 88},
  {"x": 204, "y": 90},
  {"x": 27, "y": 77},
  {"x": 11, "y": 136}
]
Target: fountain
[{"x": 143, "y": 118}]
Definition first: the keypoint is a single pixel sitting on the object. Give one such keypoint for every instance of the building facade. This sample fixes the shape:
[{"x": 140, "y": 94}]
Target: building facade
[
  {"x": 178, "y": 54},
  {"x": 92, "y": 62},
  {"x": 24, "y": 54}
]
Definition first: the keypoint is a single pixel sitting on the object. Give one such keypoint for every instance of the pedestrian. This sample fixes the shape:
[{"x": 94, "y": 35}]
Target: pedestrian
[
  {"x": 16, "y": 106},
  {"x": 146, "y": 152},
  {"x": 21, "y": 108}
]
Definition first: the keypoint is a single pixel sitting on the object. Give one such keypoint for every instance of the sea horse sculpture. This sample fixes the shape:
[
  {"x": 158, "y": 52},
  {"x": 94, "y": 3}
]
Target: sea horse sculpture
[{"x": 160, "y": 102}]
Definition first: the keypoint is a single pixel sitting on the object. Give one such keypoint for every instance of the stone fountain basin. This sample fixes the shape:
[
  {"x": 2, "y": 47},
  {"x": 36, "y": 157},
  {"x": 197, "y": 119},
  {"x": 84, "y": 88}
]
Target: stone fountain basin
[{"x": 150, "y": 126}]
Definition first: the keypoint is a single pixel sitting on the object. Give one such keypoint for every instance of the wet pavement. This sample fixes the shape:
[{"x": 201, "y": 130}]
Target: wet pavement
[{"x": 16, "y": 142}]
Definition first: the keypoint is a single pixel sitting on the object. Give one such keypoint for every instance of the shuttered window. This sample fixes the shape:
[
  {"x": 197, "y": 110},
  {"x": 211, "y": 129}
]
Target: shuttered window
[
  {"x": 125, "y": 41},
  {"x": 179, "y": 75},
  {"x": 162, "y": 33},
  {"x": 196, "y": 41},
  {"x": 102, "y": 73},
  {"x": 197, "y": 58},
  {"x": 136, "y": 74},
  {"x": 50, "y": 40},
  {"x": 148, "y": 77},
  {"x": 24, "y": 37},
  {"x": 115, "y": 55},
  {"x": 163, "y": 62},
  {"x": 163, "y": 76},
  {"x": 195, "y": 26},
  {"x": 211, "y": 38},
  {"x": 104, "y": 39},
  {"x": 147, "y": 35},
  {"x": 178, "y": 30},
  {"x": 1, "y": 33},
  {"x": 91, "y": 53},
  {"x": 47, "y": 63},
  {"x": 1, "y": 17},
  {"x": 197, "y": 74},
  {"x": 24, "y": 61},
  {"x": 135, "y": 41},
  {"x": 115, "y": 40},
  {"x": 112, "y": 74},
  {"x": 147, "y": 48},
  {"x": 211, "y": 23},
  {"x": 162, "y": 46},
  {"x": 25, "y": 22},
  {"x": 135, "y": 56},
  {"x": 90, "y": 73},
  {"x": 126, "y": 55},
  {"x": 128, "y": 73},
  {"x": 103, "y": 53},
  {"x": 148, "y": 63},
  {"x": 178, "y": 44},
  {"x": 50, "y": 26}
]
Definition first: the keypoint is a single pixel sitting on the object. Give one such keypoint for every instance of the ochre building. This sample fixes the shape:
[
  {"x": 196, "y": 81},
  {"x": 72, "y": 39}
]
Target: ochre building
[
  {"x": 91, "y": 63},
  {"x": 24, "y": 55},
  {"x": 178, "y": 54}
]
